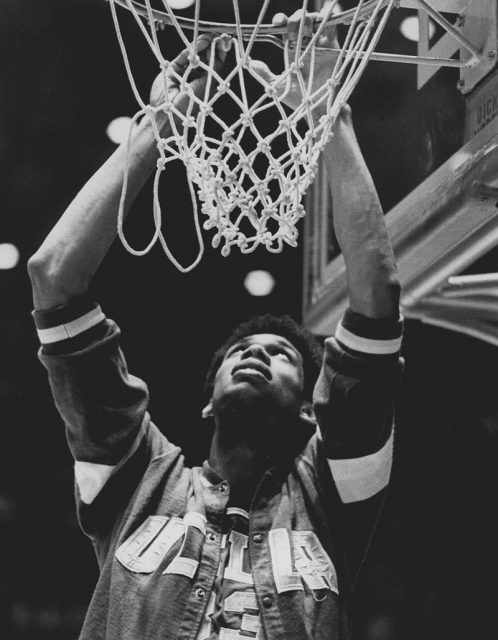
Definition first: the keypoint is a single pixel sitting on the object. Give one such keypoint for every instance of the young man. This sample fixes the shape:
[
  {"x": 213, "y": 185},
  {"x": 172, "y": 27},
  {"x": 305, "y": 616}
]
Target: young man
[{"x": 266, "y": 538}]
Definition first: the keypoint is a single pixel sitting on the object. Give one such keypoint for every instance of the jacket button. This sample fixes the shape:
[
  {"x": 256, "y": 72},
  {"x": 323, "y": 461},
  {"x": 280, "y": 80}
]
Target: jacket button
[
  {"x": 257, "y": 537},
  {"x": 200, "y": 593},
  {"x": 211, "y": 536},
  {"x": 222, "y": 487},
  {"x": 267, "y": 601}
]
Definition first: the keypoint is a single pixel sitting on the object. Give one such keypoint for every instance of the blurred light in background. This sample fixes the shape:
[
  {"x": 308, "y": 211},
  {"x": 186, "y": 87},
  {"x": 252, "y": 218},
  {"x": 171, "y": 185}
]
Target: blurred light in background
[
  {"x": 409, "y": 27},
  {"x": 180, "y": 4},
  {"x": 118, "y": 129},
  {"x": 259, "y": 283},
  {"x": 9, "y": 256}
]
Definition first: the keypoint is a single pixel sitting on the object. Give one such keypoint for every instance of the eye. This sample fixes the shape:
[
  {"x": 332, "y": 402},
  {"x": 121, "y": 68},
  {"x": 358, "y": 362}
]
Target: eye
[
  {"x": 235, "y": 349},
  {"x": 281, "y": 354}
]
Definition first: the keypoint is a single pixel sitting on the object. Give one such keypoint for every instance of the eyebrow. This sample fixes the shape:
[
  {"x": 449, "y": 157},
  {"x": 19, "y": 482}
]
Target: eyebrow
[{"x": 280, "y": 342}]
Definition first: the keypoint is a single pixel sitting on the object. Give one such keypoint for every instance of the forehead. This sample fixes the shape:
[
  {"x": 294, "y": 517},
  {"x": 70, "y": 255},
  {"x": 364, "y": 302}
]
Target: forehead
[{"x": 268, "y": 339}]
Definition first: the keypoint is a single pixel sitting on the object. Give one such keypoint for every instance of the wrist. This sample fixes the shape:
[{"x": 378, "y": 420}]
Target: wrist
[{"x": 156, "y": 123}]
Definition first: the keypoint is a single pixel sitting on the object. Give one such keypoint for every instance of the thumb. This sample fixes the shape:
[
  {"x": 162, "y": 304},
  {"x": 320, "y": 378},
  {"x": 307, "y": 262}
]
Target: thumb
[{"x": 261, "y": 71}]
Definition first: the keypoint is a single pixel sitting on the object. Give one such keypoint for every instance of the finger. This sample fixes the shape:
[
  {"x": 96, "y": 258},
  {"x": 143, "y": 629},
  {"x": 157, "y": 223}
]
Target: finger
[
  {"x": 182, "y": 60},
  {"x": 329, "y": 34},
  {"x": 223, "y": 44},
  {"x": 303, "y": 23},
  {"x": 180, "y": 63},
  {"x": 210, "y": 50},
  {"x": 279, "y": 20},
  {"x": 202, "y": 45},
  {"x": 261, "y": 71}
]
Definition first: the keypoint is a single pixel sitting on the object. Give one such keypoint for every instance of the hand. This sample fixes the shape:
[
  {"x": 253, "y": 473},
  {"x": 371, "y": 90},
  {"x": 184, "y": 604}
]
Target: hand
[
  {"x": 324, "y": 60},
  {"x": 170, "y": 82}
]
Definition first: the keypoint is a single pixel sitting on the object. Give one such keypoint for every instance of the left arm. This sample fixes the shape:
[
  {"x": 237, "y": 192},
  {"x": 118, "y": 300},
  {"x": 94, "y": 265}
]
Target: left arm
[{"x": 359, "y": 226}]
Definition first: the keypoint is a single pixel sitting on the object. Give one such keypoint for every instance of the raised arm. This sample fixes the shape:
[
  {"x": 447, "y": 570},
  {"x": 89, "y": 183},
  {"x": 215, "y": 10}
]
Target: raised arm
[
  {"x": 64, "y": 265},
  {"x": 359, "y": 226},
  {"x": 357, "y": 214}
]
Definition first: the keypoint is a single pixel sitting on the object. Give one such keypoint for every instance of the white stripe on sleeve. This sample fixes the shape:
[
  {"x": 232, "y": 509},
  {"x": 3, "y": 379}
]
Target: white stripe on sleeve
[
  {"x": 73, "y": 328},
  {"x": 367, "y": 345},
  {"x": 361, "y": 478},
  {"x": 90, "y": 478}
]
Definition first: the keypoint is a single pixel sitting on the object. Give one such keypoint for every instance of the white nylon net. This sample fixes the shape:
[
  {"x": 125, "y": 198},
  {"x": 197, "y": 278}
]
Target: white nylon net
[{"x": 250, "y": 183}]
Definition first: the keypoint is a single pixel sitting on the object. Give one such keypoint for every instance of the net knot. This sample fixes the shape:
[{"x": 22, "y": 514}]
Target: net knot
[
  {"x": 245, "y": 164},
  {"x": 161, "y": 163},
  {"x": 224, "y": 86},
  {"x": 327, "y": 120},
  {"x": 194, "y": 60},
  {"x": 262, "y": 189},
  {"x": 246, "y": 119},
  {"x": 295, "y": 66},
  {"x": 270, "y": 212},
  {"x": 271, "y": 91},
  {"x": 206, "y": 109},
  {"x": 263, "y": 147}
]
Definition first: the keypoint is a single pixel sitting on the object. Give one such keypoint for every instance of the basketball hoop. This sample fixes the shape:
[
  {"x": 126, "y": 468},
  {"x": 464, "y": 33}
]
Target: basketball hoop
[{"x": 247, "y": 206}]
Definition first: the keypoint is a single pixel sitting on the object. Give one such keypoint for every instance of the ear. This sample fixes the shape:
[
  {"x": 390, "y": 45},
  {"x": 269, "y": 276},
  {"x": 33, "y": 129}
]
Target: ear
[
  {"x": 307, "y": 414},
  {"x": 207, "y": 412}
]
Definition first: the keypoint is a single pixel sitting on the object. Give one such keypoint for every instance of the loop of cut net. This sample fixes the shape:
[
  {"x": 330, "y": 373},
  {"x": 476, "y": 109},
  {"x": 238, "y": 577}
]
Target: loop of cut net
[{"x": 250, "y": 195}]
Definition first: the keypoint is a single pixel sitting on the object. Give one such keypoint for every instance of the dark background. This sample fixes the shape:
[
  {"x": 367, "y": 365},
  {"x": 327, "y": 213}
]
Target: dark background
[{"x": 432, "y": 570}]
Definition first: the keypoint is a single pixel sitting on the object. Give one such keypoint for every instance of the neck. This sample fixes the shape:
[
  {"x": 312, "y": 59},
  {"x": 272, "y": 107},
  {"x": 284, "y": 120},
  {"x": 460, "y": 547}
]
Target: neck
[
  {"x": 246, "y": 444},
  {"x": 238, "y": 461}
]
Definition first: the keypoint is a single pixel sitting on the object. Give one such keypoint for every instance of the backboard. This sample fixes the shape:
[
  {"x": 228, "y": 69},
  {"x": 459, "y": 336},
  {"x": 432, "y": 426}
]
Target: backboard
[{"x": 430, "y": 138}]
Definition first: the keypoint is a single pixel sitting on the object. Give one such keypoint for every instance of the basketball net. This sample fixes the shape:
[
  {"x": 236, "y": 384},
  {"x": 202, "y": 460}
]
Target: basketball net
[{"x": 249, "y": 196}]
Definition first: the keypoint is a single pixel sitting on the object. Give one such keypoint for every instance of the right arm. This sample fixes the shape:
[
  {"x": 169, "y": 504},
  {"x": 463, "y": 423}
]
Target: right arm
[
  {"x": 62, "y": 268},
  {"x": 103, "y": 406}
]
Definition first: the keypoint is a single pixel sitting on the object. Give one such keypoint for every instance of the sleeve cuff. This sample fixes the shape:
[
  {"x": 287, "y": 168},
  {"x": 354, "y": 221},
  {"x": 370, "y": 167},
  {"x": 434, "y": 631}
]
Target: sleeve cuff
[
  {"x": 67, "y": 322},
  {"x": 369, "y": 336}
]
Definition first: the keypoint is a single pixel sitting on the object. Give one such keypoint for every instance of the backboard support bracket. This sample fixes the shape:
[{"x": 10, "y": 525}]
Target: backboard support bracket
[
  {"x": 475, "y": 20},
  {"x": 457, "y": 206}
]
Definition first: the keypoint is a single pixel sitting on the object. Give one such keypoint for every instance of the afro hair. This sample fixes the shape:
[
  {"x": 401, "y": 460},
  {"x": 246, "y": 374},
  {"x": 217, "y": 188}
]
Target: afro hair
[{"x": 303, "y": 340}]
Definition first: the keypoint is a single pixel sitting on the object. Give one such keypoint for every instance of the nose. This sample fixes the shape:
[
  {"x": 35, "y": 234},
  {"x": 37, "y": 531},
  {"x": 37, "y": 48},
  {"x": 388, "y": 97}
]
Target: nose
[{"x": 257, "y": 351}]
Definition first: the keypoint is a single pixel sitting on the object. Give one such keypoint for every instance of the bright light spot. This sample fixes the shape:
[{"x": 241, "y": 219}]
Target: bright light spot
[
  {"x": 180, "y": 4},
  {"x": 410, "y": 28},
  {"x": 9, "y": 256},
  {"x": 259, "y": 283},
  {"x": 118, "y": 129}
]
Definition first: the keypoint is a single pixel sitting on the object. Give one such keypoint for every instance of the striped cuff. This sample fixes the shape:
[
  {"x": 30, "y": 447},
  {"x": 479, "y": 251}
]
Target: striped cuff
[
  {"x": 67, "y": 322},
  {"x": 368, "y": 336}
]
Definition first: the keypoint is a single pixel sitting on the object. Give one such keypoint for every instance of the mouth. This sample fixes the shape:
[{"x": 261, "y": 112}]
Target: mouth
[{"x": 253, "y": 368}]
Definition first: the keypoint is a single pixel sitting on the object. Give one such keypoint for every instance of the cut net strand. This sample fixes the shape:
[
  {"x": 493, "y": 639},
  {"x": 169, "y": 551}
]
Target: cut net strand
[{"x": 250, "y": 194}]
